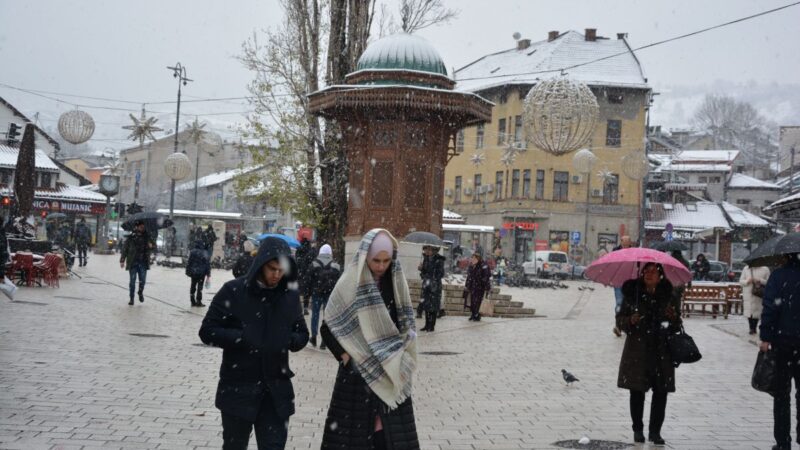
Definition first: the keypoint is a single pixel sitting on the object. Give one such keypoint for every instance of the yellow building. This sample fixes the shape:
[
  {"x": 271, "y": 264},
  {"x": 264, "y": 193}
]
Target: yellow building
[{"x": 540, "y": 198}]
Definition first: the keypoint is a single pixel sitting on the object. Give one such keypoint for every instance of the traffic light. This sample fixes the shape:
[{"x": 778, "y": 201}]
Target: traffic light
[
  {"x": 13, "y": 133},
  {"x": 6, "y": 201},
  {"x": 119, "y": 208},
  {"x": 43, "y": 214}
]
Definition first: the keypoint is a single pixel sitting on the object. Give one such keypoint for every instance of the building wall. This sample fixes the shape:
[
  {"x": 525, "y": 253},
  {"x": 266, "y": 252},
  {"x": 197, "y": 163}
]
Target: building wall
[
  {"x": 78, "y": 165},
  {"x": 552, "y": 215},
  {"x": 715, "y": 189},
  {"x": 753, "y": 200},
  {"x": 789, "y": 137}
]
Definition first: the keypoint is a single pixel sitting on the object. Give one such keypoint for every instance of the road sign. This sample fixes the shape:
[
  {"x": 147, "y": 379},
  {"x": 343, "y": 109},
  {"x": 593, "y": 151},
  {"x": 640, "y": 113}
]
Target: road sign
[{"x": 576, "y": 236}]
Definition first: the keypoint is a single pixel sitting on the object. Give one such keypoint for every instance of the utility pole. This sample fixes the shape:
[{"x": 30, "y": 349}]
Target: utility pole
[
  {"x": 179, "y": 72},
  {"x": 791, "y": 171}
]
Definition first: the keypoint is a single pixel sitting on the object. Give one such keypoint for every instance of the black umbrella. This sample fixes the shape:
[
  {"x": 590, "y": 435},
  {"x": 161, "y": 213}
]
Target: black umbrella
[
  {"x": 424, "y": 238},
  {"x": 56, "y": 216},
  {"x": 669, "y": 246},
  {"x": 771, "y": 252},
  {"x": 153, "y": 221}
]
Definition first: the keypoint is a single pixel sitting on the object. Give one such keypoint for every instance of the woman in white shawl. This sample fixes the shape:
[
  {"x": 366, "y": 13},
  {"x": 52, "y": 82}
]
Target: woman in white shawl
[
  {"x": 751, "y": 277},
  {"x": 369, "y": 327}
]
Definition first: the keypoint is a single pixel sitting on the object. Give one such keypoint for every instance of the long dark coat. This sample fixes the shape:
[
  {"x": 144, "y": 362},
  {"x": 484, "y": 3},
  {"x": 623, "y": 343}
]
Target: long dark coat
[
  {"x": 646, "y": 363},
  {"x": 350, "y": 423},
  {"x": 479, "y": 281},
  {"x": 431, "y": 273},
  {"x": 256, "y": 328}
]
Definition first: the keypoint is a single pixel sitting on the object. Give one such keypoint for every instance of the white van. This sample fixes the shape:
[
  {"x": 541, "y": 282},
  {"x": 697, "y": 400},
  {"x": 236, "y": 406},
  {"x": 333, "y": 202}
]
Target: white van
[{"x": 547, "y": 264}]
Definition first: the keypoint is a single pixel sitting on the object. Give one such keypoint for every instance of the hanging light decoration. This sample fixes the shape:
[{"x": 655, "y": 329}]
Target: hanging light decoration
[
  {"x": 635, "y": 165},
  {"x": 560, "y": 115},
  {"x": 477, "y": 159},
  {"x": 76, "y": 126},
  {"x": 584, "y": 161},
  {"x": 177, "y": 166}
]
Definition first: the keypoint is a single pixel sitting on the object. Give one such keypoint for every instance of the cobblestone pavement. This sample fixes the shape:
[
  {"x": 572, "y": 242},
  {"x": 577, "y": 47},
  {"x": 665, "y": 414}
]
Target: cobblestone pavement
[{"x": 72, "y": 374}]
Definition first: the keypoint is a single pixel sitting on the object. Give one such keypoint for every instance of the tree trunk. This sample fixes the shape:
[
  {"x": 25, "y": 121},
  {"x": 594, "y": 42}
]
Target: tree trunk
[{"x": 25, "y": 176}]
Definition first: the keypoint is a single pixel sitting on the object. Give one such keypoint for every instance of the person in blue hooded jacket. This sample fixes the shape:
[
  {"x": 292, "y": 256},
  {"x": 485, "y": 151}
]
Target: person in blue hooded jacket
[{"x": 257, "y": 319}]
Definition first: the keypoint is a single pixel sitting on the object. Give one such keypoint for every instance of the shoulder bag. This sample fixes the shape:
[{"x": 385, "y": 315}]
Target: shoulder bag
[{"x": 682, "y": 348}]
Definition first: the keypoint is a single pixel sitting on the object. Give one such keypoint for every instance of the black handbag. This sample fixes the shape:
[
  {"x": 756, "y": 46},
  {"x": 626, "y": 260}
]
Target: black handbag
[
  {"x": 682, "y": 348},
  {"x": 758, "y": 287},
  {"x": 764, "y": 372}
]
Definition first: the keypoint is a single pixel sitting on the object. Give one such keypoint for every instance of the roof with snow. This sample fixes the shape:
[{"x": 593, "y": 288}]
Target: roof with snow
[
  {"x": 215, "y": 178},
  {"x": 701, "y": 156},
  {"x": 64, "y": 192},
  {"x": 9, "y": 155},
  {"x": 742, "y": 181},
  {"x": 546, "y": 59},
  {"x": 450, "y": 216},
  {"x": 677, "y": 167},
  {"x": 204, "y": 214},
  {"x": 402, "y": 51},
  {"x": 790, "y": 201},
  {"x": 686, "y": 217},
  {"x": 741, "y": 218}
]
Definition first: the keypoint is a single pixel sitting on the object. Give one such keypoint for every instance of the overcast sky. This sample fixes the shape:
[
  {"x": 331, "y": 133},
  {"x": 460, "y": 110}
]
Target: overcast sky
[{"x": 120, "y": 50}]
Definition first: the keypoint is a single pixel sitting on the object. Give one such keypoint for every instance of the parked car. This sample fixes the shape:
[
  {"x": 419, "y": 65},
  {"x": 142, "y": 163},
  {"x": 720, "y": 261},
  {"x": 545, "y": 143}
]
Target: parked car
[
  {"x": 718, "y": 272},
  {"x": 735, "y": 271},
  {"x": 575, "y": 270},
  {"x": 547, "y": 264}
]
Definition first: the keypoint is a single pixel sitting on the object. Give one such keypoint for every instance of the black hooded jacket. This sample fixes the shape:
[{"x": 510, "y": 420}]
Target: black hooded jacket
[{"x": 256, "y": 327}]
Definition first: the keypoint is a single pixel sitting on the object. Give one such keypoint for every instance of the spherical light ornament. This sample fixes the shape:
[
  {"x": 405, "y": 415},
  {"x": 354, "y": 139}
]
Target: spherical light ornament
[
  {"x": 177, "y": 166},
  {"x": 560, "y": 115},
  {"x": 76, "y": 126},
  {"x": 584, "y": 161},
  {"x": 635, "y": 165}
]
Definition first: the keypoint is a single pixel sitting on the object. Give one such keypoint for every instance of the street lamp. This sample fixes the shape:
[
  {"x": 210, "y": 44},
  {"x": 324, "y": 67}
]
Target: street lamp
[
  {"x": 584, "y": 161},
  {"x": 179, "y": 72}
]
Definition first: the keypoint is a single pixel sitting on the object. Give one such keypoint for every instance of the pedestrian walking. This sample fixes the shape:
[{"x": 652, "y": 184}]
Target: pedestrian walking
[
  {"x": 649, "y": 313},
  {"x": 198, "y": 269},
  {"x": 325, "y": 273},
  {"x": 305, "y": 256},
  {"x": 245, "y": 260},
  {"x": 209, "y": 237},
  {"x": 135, "y": 258},
  {"x": 753, "y": 281},
  {"x": 477, "y": 286},
  {"x": 256, "y": 320},
  {"x": 431, "y": 271},
  {"x": 780, "y": 331},
  {"x": 625, "y": 242},
  {"x": 83, "y": 238},
  {"x": 369, "y": 327},
  {"x": 701, "y": 267}
]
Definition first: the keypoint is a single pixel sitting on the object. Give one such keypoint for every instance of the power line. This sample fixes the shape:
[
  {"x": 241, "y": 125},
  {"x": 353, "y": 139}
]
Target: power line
[{"x": 652, "y": 44}]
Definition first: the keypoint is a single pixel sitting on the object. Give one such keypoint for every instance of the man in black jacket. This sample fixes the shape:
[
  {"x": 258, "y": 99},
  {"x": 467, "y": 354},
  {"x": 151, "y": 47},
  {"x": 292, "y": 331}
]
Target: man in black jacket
[{"x": 257, "y": 320}]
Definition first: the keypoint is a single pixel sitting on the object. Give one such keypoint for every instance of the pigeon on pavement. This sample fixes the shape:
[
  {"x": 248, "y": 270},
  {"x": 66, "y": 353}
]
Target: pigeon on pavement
[{"x": 568, "y": 377}]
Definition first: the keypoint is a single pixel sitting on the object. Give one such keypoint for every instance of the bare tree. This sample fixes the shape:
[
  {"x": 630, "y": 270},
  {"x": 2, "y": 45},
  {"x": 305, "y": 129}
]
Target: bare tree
[{"x": 416, "y": 15}]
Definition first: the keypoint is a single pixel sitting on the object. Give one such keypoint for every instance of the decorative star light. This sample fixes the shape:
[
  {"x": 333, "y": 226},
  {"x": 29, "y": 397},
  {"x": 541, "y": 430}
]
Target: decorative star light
[
  {"x": 606, "y": 175},
  {"x": 508, "y": 158},
  {"x": 477, "y": 159},
  {"x": 142, "y": 128}
]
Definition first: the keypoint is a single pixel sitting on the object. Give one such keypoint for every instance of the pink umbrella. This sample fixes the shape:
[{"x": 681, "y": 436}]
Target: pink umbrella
[{"x": 619, "y": 266}]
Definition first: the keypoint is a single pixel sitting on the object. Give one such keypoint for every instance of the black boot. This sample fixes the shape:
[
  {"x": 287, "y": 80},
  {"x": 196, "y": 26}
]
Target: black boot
[
  {"x": 656, "y": 439},
  {"x": 131, "y": 302},
  {"x": 432, "y": 326},
  {"x": 638, "y": 436},
  {"x": 313, "y": 341},
  {"x": 191, "y": 299},
  {"x": 753, "y": 324},
  {"x": 141, "y": 295},
  {"x": 427, "y": 322},
  {"x": 419, "y": 311}
]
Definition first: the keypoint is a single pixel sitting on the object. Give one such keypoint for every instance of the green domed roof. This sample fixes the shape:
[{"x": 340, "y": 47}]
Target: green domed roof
[{"x": 402, "y": 52}]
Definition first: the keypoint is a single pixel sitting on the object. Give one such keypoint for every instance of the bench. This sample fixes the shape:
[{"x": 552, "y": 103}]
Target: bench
[
  {"x": 735, "y": 299},
  {"x": 714, "y": 296}
]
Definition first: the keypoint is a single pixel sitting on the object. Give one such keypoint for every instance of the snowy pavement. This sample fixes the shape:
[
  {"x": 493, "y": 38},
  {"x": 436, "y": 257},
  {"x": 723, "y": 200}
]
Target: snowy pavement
[{"x": 72, "y": 374}]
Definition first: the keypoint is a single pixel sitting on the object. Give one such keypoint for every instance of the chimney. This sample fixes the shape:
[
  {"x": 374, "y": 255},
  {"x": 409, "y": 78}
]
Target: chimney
[
  {"x": 621, "y": 36},
  {"x": 552, "y": 36},
  {"x": 522, "y": 44},
  {"x": 591, "y": 34}
]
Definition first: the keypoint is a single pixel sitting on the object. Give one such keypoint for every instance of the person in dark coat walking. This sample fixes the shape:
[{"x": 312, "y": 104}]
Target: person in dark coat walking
[
  {"x": 135, "y": 258},
  {"x": 648, "y": 314},
  {"x": 780, "y": 330},
  {"x": 257, "y": 320},
  {"x": 83, "y": 237},
  {"x": 701, "y": 267},
  {"x": 325, "y": 272},
  {"x": 477, "y": 286},
  {"x": 369, "y": 327},
  {"x": 198, "y": 268},
  {"x": 209, "y": 237},
  {"x": 244, "y": 261},
  {"x": 305, "y": 257},
  {"x": 431, "y": 271}
]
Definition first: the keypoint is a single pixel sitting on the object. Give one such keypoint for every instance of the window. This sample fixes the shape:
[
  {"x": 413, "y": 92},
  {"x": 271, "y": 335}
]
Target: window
[
  {"x": 5, "y": 176},
  {"x": 45, "y": 180},
  {"x": 560, "y": 186},
  {"x": 518, "y": 131},
  {"x": 457, "y": 196},
  {"x": 716, "y": 180},
  {"x": 743, "y": 201},
  {"x": 611, "y": 190},
  {"x": 498, "y": 185},
  {"x": 501, "y": 131},
  {"x": 614, "y": 133},
  {"x": 479, "y": 136},
  {"x": 475, "y": 196},
  {"x": 515, "y": 183},
  {"x": 539, "y": 184},
  {"x": 526, "y": 183},
  {"x": 702, "y": 179},
  {"x": 614, "y": 96},
  {"x": 460, "y": 141}
]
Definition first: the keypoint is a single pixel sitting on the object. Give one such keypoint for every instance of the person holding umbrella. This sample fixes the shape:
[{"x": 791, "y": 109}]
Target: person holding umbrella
[
  {"x": 135, "y": 258},
  {"x": 431, "y": 270},
  {"x": 83, "y": 237}
]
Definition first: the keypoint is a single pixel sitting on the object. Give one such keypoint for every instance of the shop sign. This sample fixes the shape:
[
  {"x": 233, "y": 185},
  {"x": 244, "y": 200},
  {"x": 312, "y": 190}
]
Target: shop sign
[
  {"x": 531, "y": 226},
  {"x": 69, "y": 207},
  {"x": 677, "y": 234}
]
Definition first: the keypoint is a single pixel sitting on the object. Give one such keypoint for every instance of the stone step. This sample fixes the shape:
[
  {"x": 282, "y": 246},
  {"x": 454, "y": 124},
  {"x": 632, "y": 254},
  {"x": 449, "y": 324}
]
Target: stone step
[{"x": 507, "y": 310}]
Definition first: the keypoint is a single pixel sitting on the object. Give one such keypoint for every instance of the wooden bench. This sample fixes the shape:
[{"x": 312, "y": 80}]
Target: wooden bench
[
  {"x": 735, "y": 299},
  {"x": 705, "y": 295}
]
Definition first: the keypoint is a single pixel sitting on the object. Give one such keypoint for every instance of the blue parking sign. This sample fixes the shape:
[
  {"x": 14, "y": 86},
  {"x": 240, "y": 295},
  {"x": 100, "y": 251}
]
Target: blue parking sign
[{"x": 576, "y": 236}]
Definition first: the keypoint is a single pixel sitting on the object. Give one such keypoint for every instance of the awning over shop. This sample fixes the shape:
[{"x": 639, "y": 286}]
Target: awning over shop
[{"x": 65, "y": 199}]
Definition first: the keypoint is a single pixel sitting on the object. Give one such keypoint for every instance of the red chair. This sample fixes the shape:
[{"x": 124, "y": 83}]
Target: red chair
[
  {"x": 23, "y": 265},
  {"x": 47, "y": 270}
]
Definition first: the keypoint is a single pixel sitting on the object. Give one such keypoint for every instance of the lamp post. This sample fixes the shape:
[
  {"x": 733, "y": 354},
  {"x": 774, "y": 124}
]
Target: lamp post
[
  {"x": 179, "y": 72},
  {"x": 584, "y": 161}
]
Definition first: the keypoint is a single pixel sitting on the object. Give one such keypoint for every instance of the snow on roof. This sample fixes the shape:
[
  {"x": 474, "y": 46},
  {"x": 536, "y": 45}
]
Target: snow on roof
[
  {"x": 740, "y": 180},
  {"x": 794, "y": 198},
  {"x": 707, "y": 215},
  {"x": 688, "y": 156},
  {"x": 451, "y": 216},
  {"x": 741, "y": 218},
  {"x": 402, "y": 51},
  {"x": 215, "y": 178},
  {"x": 543, "y": 59},
  {"x": 695, "y": 168},
  {"x": 64, "y": 192},
  {"x": 9, "y": 155},
  {"x": 207, "y": 214}
]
